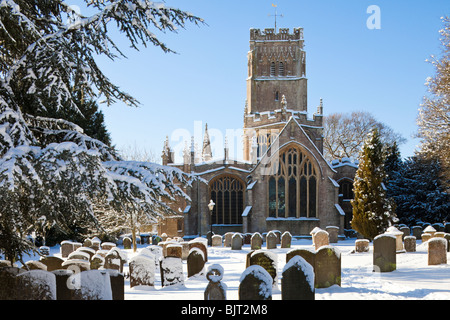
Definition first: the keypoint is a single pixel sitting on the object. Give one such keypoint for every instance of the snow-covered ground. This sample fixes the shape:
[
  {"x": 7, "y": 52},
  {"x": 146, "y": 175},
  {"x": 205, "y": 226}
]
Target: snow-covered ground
[{"x": 413, "y": 279}]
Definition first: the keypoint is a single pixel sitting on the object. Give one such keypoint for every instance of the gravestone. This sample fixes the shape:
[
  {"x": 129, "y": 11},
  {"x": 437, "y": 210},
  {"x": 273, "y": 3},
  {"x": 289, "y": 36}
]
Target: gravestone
[
  {"x": 156, "y": 239},
  {"x": 142, "y": 271},
  {"x": 384, "y": 253},
  {"x": 447, "y": 227},
  {"x": 156, "y": 251},
  {"x": 117, "y": 284},
  {"x": 108, "y": 245},
  {"x": 333, "y": 233},
  {"x": 286, "y": 239},
  {"x": 308, "y": 254},
  {"x": 174, "y": 250},
  {"x": 36, "y": 285},
  {"x": 127, "y": 243},
  {"x": 115, "y": 259},
  {"x": 247, "y": 238},
  {"x": 195, "y": 262},
  {"x": 79, "y": 255},
  {"x": 87, "y": 243},
  {"x": 410, "y": 244},
  {"x": 62, "y": 290},
  {"x": 8, "y": 281},
  {"x": 44, "y": 250},
  {"x": 278, "y": 234},
  {"x": 256, "y": 241},
  {"x": 447, "y": 237},
  {"x": 96, "y": 242},
  {"x": 201, "y": 244},
  {"x": 236, "y": 242},
  {"x": 227, "y": 237},
  {"x": 67, "y": 248},
  {"x": 406, "y": 231},
  {"x": 171, "y": 270},
  {"x": 34, "y": 265},
  {"x": 321, "y": 239},
  {"x": 90, "y": 285},
  {"x": 217, "y": 240},
  {"x": 362, "y": 245},
  {"x": 266, "y": 259},
  {"x": 87, "y": 250},
  {"x": 327, "y": 267},
  {"x": 437, "y": 251},
  {"x": 77, "y": 265},
  {"x": 215, "y": 289},
  {"x": 271, "y": 240},
  {"x": 426, "y": 236},
  {"x": 297, "y": 282},
  {"x": 255, "y": 284},
  {"x": 398, "y": 238},
  {"x": 52, "y": 263},
  {"x": 430, "y": 230},
  {"x": 417, "y": 232},
  {"x": 313, "y": 234},
  {"x": 184, "y": 249}
]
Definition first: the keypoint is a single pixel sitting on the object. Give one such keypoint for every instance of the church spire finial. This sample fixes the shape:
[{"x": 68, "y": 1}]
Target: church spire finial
[{"x": 206, "y": 151}]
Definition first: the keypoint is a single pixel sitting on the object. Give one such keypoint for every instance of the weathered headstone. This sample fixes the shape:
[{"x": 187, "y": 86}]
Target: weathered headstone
[
  {"x": 426, "y": 236},
  {"x": 437, "y": 251},
  {"x": 195, "y": 262},
  {"x": 430, "y": 230},
  {"x": 62, "y": 290},
  {"x": 271, "y": 240},
  {"x": 236, "y": 242},
  {"x": 66, "y": 248},
  {"x": 321, "y": 239},
  {"x": 171, "y": 270},
  {"x": 79, "y": 255},
  {"x": 255, "y": 284},
  {"x": 398, "y": 238},
  {"x": 297, "y": 282},
  {"x": 406, "y": 231},
  {"x": 286, "y": 239},
  {"x": 142, "y": 271},
  {"x": 247, "y": 238},
  {"x": 36, "y": 285},
  {"x": 227, "y": 239},
  {"x": 117, "y": 284},
  {"x": 362, "y": 245},
  {"x": 266, "y": 259},
  {"x": 76, "y": 265},
  {"x": 215, "y": 289},
  {"x": 416, "y": 231},
  {"x": 107, "y": 245},
  {"x": 52, "y": 263},
  {"x": 34, "y": 265},
  {"x": 174, "y": 250},
  {"x": 216, "y": 240},
  {"x": 327, "y": 267},
  {"x": 201, "y": 244},
  {"x": 115, "y": 259},
  {"x": 313, "y": 233},
  {"x": 308, "y": 254},
  {"x": 256, "y": 241},
  {"x": 8, "y": 281},
  {"x": 410, "y": 244},
  {"x": 333, "y": 233},
  {"x": 90, "y": 285},
  {"x": 127, "y": 243},
  {"x": 384, "y": 253}
]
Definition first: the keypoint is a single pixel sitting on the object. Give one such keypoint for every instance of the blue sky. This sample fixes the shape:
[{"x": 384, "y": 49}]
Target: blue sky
[{"x": 353, "y": 68}]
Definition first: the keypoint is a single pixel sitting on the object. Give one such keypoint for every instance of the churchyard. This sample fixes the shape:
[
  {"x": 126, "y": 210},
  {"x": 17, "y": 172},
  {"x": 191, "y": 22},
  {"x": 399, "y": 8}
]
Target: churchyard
[{"x": 396, "y": 265}]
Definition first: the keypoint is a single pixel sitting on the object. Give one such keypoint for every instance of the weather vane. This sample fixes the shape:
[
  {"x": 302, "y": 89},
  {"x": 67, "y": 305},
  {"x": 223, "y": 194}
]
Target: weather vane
[{"x": 275, "y": 15}]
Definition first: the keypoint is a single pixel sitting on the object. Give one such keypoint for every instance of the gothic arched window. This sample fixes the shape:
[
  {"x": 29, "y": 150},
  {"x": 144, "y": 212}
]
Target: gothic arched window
[
  {"x": 227, "y": 192},
  {"x": 293, "y": 185},
  {"x": 346, "y": 189}
]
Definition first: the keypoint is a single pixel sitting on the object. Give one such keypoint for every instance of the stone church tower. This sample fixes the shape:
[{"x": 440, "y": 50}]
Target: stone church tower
[{"x": 284, "y": 182}]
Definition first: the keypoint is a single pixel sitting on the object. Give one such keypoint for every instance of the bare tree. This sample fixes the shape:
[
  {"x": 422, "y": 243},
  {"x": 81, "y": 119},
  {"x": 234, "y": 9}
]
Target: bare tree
[{"x": 344, "y": 134}]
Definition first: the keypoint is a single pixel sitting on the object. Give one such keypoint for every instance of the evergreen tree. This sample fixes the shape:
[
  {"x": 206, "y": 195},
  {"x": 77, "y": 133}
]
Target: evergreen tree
[
  {"x": 373, "y": 213},
  {"x": 50, "y": 169},
  {"x": 434, "y": 114}
]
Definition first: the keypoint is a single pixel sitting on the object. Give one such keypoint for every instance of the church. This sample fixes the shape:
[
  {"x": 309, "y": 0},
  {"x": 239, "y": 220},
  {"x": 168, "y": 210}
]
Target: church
[{"x": 283, "y": 182}]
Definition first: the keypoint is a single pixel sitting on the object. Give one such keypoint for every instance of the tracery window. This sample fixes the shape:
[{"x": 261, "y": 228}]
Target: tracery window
[
  {"x": 227, "y": 193},
  {"x": 281, "y": 69},
  {"x": 272, "y": 69},
  {"x": 346, "y": 189},
  {"x": 293, "y": 185}
]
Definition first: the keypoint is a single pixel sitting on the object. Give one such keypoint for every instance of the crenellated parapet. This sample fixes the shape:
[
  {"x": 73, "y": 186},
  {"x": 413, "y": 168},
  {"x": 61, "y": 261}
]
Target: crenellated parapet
[{"x": 272, "y": 35}]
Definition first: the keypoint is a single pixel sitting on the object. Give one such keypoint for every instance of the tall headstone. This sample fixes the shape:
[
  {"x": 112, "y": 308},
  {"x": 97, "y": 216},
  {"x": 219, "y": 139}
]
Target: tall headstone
[
  {"x": 437, "y": 251},
  {"x": 256, "y": 241},
  {"x": 321, "y": 239},
  {"x": 171, "y": 271},
  {"x": 90, "y": 285},
  {"x": 36, "y": 285},
  {"x": 297, "y": 282},
  {"x": 333, "y": 233},
  {"x": 255, "y": 284},
  {"x": 271, "y": 240},
  {"x": 410, "y": 243},
  {"x": 195, "y": 262},
  {"x": 286, "y": 239},
  {"x": 384, "y": 253},
  {"x": 217, "y": 240},
  {"x": 417, "y": 232},
  {"x": 66, "y": 248},
  {"x": 142, "y": 271},
  {"x": 237, "y": 242},
  {"x": 327, "y": 267},
  {"x": 227, "y": 241},
  {"x": 266, "y": 259},
  {"x": 215, "y": 289}
]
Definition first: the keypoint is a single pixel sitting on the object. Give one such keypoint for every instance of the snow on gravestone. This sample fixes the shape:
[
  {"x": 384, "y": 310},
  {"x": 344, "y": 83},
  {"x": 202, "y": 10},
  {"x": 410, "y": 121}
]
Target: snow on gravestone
[
  {"x": 255, "y": 284},
  {"x": 437, "y": 251},
  {"x": 215, "y": 289},
  {"x": 171, "y": 270},
  {"x": 266, "y": 259},
  {"x": 142, "y": 270},
  {"x": 36, "y": 285},
  {"x": 195, "y": 262},
  {"x": 327, "y": 267},
  {"x": 384, "y": 253},
  {"x": 90, "y": 285},
  {"x": 256, "y": 241},
  {"x": 297, "y": 282}
]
